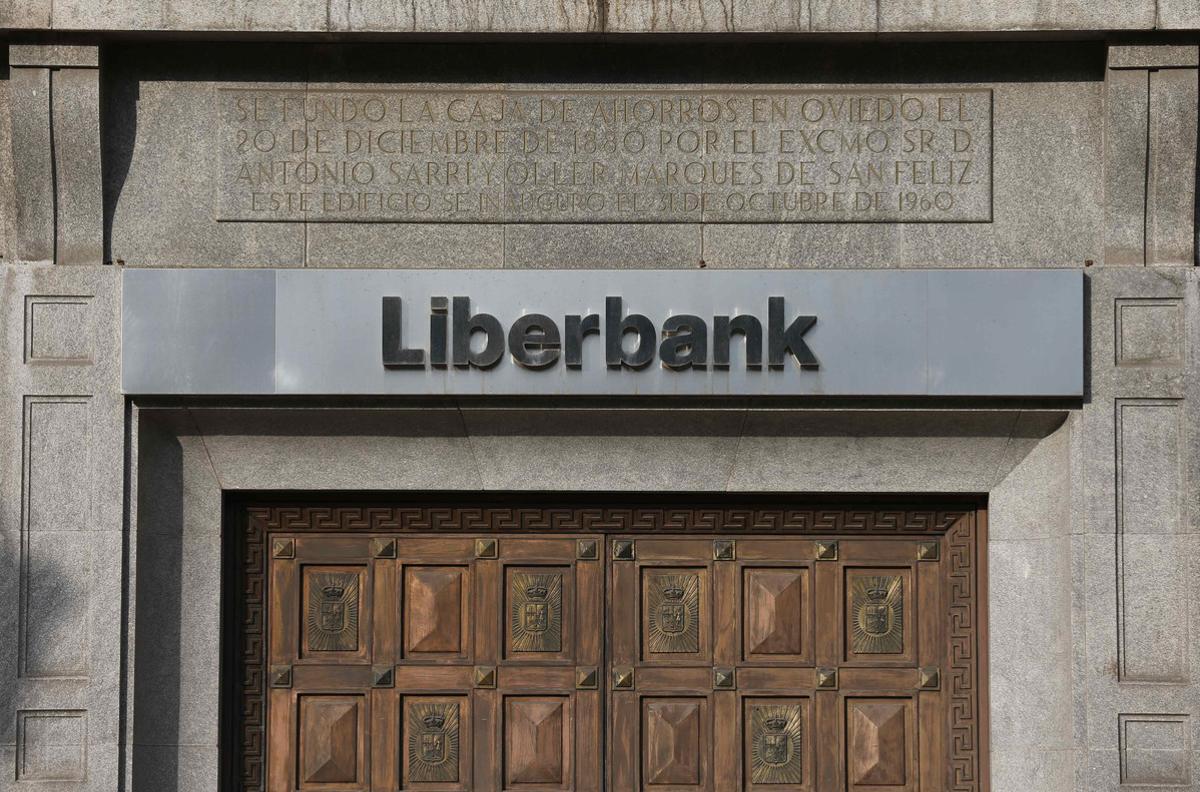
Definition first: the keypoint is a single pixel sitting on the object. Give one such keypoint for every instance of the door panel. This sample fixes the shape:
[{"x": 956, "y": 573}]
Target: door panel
[
  {"x": 402, "y": 661},
  {"x": 775, "y": 663}
]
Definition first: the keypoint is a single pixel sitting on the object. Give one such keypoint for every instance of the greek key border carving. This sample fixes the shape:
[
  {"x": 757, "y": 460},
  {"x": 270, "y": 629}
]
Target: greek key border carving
[{"x": 962, "y": 679}]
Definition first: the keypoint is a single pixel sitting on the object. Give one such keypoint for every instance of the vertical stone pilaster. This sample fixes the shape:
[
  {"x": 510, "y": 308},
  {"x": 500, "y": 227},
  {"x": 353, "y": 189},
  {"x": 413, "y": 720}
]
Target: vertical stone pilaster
[
  {"x": 56, "y": 153},
  {"x": 1139, "y": 671},
  {"x": 1150, "y": 155},
  {"x": 33, "y": 163},
  {"x": 61, "y": 434}
]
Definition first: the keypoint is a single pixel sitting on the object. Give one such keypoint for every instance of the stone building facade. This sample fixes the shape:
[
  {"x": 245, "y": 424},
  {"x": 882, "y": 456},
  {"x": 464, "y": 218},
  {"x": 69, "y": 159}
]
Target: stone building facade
[{"x": 160, "y": 158}]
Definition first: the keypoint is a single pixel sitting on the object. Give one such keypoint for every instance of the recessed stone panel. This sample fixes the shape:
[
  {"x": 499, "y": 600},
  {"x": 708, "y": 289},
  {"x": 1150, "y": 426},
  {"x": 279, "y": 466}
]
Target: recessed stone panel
[
  {"x": 1149, "y": 332},
  {"x": 58, "y": 329},
  {"x": 51, "y": 745},
  {"x": 1156, "y": 750},
  {"x": 842, "y": 154},
  {"x": 56, "y": 463},
  {"x": 1151, "y": 572}
]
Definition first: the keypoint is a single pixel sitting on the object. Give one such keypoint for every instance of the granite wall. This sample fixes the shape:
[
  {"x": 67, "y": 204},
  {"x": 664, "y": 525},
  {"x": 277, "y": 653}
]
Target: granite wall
[{"x": 111, "y": 156}]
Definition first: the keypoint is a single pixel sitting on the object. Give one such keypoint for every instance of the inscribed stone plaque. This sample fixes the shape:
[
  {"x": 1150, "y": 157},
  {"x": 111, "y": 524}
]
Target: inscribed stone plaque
[{"x": 605, "y": 155}]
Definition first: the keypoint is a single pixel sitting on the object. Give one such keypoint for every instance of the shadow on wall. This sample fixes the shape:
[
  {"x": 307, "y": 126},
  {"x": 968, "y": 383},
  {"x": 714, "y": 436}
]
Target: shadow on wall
[{"x": 159, "y": 652}]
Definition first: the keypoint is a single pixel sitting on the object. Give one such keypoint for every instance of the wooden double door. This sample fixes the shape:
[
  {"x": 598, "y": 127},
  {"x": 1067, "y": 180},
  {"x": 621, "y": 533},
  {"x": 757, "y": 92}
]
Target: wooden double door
[{"x": 621, "y": 662}]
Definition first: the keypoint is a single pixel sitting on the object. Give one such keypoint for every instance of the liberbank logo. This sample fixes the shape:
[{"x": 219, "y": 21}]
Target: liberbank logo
[{"x": 460, "y": 338}]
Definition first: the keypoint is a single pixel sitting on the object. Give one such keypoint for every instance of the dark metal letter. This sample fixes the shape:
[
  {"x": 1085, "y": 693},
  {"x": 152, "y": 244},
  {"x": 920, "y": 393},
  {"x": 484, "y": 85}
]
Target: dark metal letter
[
  {"x": 781, "y": 341},
  {"x": 533, "y": 341},
  {"x": 438, "y": 308},
  {"x": 464, "y": 326},
  {"x": 723, "y": 330},
  {"x": 394, "y": 353},
  {"x": 615, "y": 328},
  {"x": 577, "y": 329},
  {"x": 685, "y": 342}
]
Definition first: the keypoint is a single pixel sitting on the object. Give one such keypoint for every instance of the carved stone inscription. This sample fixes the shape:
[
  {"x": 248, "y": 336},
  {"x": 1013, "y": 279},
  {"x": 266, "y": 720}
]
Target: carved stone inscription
[{"x": 654, "y": 155}]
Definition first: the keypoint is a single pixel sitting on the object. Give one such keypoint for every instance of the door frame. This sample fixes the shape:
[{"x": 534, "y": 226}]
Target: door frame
[{"x": 251, "y": 518}]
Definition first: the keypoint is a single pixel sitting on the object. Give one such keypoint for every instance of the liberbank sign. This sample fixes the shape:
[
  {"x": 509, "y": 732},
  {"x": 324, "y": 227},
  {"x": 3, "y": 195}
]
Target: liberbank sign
[{"x": 1005, "y": 333}]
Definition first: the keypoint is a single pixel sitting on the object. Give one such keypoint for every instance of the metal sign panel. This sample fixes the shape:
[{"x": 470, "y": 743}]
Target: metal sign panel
[{"x": 425, "y": 332}]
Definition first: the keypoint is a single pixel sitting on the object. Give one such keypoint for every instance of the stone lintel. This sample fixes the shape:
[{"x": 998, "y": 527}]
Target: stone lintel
[
  {"x": 1154, "y": 56},
  {"x": 55, "y": 56}
]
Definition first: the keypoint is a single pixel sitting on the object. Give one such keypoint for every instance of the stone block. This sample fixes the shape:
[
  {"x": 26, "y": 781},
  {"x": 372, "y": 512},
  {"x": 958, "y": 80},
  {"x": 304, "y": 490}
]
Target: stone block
[
  {"x": 333, "y": 449},
  {"x": 8, "y": 206},
  {"x": 418, "y": 245},
  {"x": 1029, "y": 503},
  {"x": 62, "y": 331},
  {"x": 176, "y": 768},
  {"x": 33, "y": 165},
  {"x": 1171, "y": 168},
  {"x": 26, "y": 14},
  {"x": 110, "y": 15},
  {"x": 843, "y": 16},
  {"x": 177, "y": 660},
  {"x": 1149, "y": 331},
  {"x": 506, "y": 16},
  {"x": 51, "y": 745},
  {"x": 1034, "y": 770},
  {"x": 56, "y": 578},
  {"x": 669, "y": 16},
  {"x": 586, "y": 451},
  {"x": 616, "y": 246},
  {"x": 54, "y": 55},
  {"x": 437, "y": 16},
  {"x": 964, "y": 15},
  {"x": 79, "y": 200},
  {"x": 1126, "y": 128},
  {"x": 161, "y": 204},
  {"x": 1178, "y": 14},
  {"x": 1150, "y": 466},
  {"x": 1155, "y": 607},
  {"x": 1030, "y": 627},
  {"x": 58, "y": 329},
  {"x": 248, "y": 15},
  {"x": 1156, "y": 750},
  {"x": 1154, "y": 56},
  {"x": 771, "y": 16},
  {"x": 57, "y": 445},
  {"x": 1031, "y": 155}
]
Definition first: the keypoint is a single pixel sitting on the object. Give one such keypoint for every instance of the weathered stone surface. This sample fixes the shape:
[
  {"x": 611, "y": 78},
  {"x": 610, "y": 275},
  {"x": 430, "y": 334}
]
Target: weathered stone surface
[
  {"x": 914, "y": 15},
  {"x": 54, "y": 55},
  {"x": 1032, "y": 154},
  {"x": 58, "y": 329},
  {"x": 1171, "y": 168},
  {"x": 79, "y": 211},
  {"x": 1156, "y": 749},
  {"x": 603, "y": 245},
  {"x": 478, "y": 246},
  {"x": 480, "y": 154},
  {"x": 1153, "y": 580},
  {"x": 161, "y": 204},
  {"x": 1149, "y": 332},
  {"x": 507, "y": 16},
  {"x": 277, "y": 15},
  {"x": 57, "y": 480},
  {"x": 8, "y": 207},
  {"x": 1153, "y": 56},
  {"x": 1178, "y": 14},
  {"x": 843, "y": 15},
  {"x": 54, "y": 623},
  {"x": 669, "y": 16},
  {"x": 51, "y": 745},
  {"x": 26, "y": 14},
  {"x": 33, "y": 164},
  {"x": 772, "y": 16},
  {"x": 1127, "y": 108}
]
